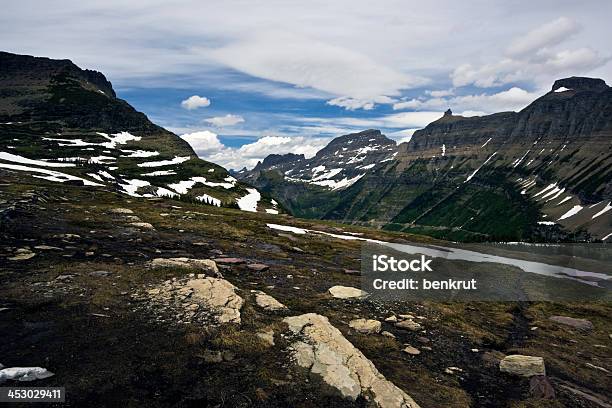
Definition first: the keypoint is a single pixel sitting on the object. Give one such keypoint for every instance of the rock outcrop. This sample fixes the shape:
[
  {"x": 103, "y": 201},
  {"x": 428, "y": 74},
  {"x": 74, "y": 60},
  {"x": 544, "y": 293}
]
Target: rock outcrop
[{"x": 326, "y": 352}]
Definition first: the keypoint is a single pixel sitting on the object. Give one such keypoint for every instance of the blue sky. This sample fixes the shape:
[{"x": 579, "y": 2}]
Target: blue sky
[{"x": 287, "y": 76}]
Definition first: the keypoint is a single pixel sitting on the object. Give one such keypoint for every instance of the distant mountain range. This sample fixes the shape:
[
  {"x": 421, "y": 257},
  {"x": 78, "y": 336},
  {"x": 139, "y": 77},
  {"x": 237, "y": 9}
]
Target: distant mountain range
[
  {"x": 64, "y": 124},
  {"x": 543, "y": 173}
]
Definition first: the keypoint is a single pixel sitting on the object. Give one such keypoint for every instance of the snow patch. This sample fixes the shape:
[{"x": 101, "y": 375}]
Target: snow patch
[
  {"x": 575, "y": 210},
  {"x": 51, "y": 175},
  {"x": 607, "y": 208},
  {"x": 176, "y": 160},
  {"x": 24, "y": 160},
  {"x": 476, "y": 171},
  {"x": 206, "y": 199},
  {"x": 249, "y": 201}
]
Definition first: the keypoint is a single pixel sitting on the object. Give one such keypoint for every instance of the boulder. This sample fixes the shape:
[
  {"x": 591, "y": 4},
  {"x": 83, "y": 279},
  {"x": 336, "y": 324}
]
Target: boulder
[
  {"x": 267, "y": 302},
  {"x": 580, "y": 324},
  {"x": 365, "y": 326},
  {"x": 327, "y": 353},
  {"x": 346, "y": 292},
  {"x": 408, "y": 325},
  {"x": 523, "y": 366}
]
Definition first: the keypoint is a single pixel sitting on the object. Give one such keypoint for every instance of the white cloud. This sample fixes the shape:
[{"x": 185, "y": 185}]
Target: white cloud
[
  {"x": 549, "y": 34},
  {"x": 203, "y": 142},
  {"x": 227, "y": 120},
  {"x": 354, "y": 104},
  {"x": 357, "y": 79},
  {"x": 195, "y": 102},
  {"x": 512, "y": 99},
  {"x": 441, "y": 93},
  {"x": 208, "y": 146},
  {"x": 531, "y": 58}
]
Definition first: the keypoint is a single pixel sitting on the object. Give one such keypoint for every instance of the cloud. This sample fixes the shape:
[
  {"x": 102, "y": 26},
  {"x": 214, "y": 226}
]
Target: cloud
[
  {"x": 208, "y": 146},
  {"x": 195, "y": 102},
  {"x": 227, "y": 120},
  {"x": 203, "y": 142},
  {"x": 549, "y": 34},
  {"x": 354, "y": 104},
  {"x": 531, "y": 58},
  {"x": 295, "y": 59},
  {"x": 513, "y": 99}
]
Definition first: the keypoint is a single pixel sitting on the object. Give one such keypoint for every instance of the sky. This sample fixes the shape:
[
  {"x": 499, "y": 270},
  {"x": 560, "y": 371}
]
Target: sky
[{"x": 243, "y": 79}]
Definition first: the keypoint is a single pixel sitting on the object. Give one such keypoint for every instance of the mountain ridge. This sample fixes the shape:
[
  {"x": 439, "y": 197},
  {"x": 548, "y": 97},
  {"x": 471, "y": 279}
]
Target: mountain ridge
[{"x": 559, "y": 142}]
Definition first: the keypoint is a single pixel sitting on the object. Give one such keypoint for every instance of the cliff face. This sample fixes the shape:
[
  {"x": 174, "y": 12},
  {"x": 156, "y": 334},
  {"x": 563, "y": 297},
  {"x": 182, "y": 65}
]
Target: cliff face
[{"x": 510, "y": 175}]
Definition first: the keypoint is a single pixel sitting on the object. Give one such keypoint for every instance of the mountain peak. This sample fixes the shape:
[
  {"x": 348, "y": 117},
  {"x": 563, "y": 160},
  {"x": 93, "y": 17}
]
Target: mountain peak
[{"x": 580, "y": 84}]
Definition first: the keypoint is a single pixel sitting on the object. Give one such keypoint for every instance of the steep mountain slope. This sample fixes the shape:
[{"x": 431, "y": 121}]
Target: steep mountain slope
[
  {"x": 64, "y": 124},
  {"x": 542, "y": 173},
  {"x": 309, "y": 187}
]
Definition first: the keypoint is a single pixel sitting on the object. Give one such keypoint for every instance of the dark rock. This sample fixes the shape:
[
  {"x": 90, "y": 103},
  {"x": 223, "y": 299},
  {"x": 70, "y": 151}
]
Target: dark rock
[
  {"x": 580, "y": 324},
  {"x": 231, "y": 261},
  {"x": 100, "y": 274},
  {"x": 540, "y": 387}
]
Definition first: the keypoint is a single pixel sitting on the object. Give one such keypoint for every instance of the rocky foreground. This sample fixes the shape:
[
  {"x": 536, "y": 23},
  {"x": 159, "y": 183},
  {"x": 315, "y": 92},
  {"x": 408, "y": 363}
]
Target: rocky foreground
[{"x": 165, "y": 303}]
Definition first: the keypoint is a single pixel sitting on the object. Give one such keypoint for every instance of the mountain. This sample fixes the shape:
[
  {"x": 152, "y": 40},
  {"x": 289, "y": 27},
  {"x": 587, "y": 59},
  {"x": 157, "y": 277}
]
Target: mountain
[
  {"x": 309, "y": 186},
  {"x": 543, "y": 173},
  {"x": 65, "y": 124}
]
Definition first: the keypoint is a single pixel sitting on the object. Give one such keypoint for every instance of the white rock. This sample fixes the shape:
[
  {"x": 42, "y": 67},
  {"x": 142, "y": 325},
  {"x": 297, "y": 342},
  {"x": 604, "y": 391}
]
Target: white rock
[
  {"x": 366, "y": 326},
  {"x": 24, "y": 374},
  {"x": 220, "y": 296},
  {"x": 189, "y": 263},
  {"x": 267, "y": 302},
  {"x": 326, "y": 352},
  {"x": 524, "y": 366},
  {"x": 346, "y": 292}
]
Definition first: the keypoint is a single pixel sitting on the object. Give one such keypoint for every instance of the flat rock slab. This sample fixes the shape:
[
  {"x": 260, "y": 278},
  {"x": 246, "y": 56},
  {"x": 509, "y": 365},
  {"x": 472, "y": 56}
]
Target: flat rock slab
[
  {"x": 347, "y": 292},
  {"x": 258, "y": 267},
  {"x": 326, "y": 352},
  {"x": 523, "y": 366},
  {"x": 189, "y": 263},
  {"x": 267, "y": 302},
  {"x": 580, "y": 324},
  {"x": 220, "y": 295},
  {"x": 413, "y": 351},
  {"x": 230, "y": 261}
]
